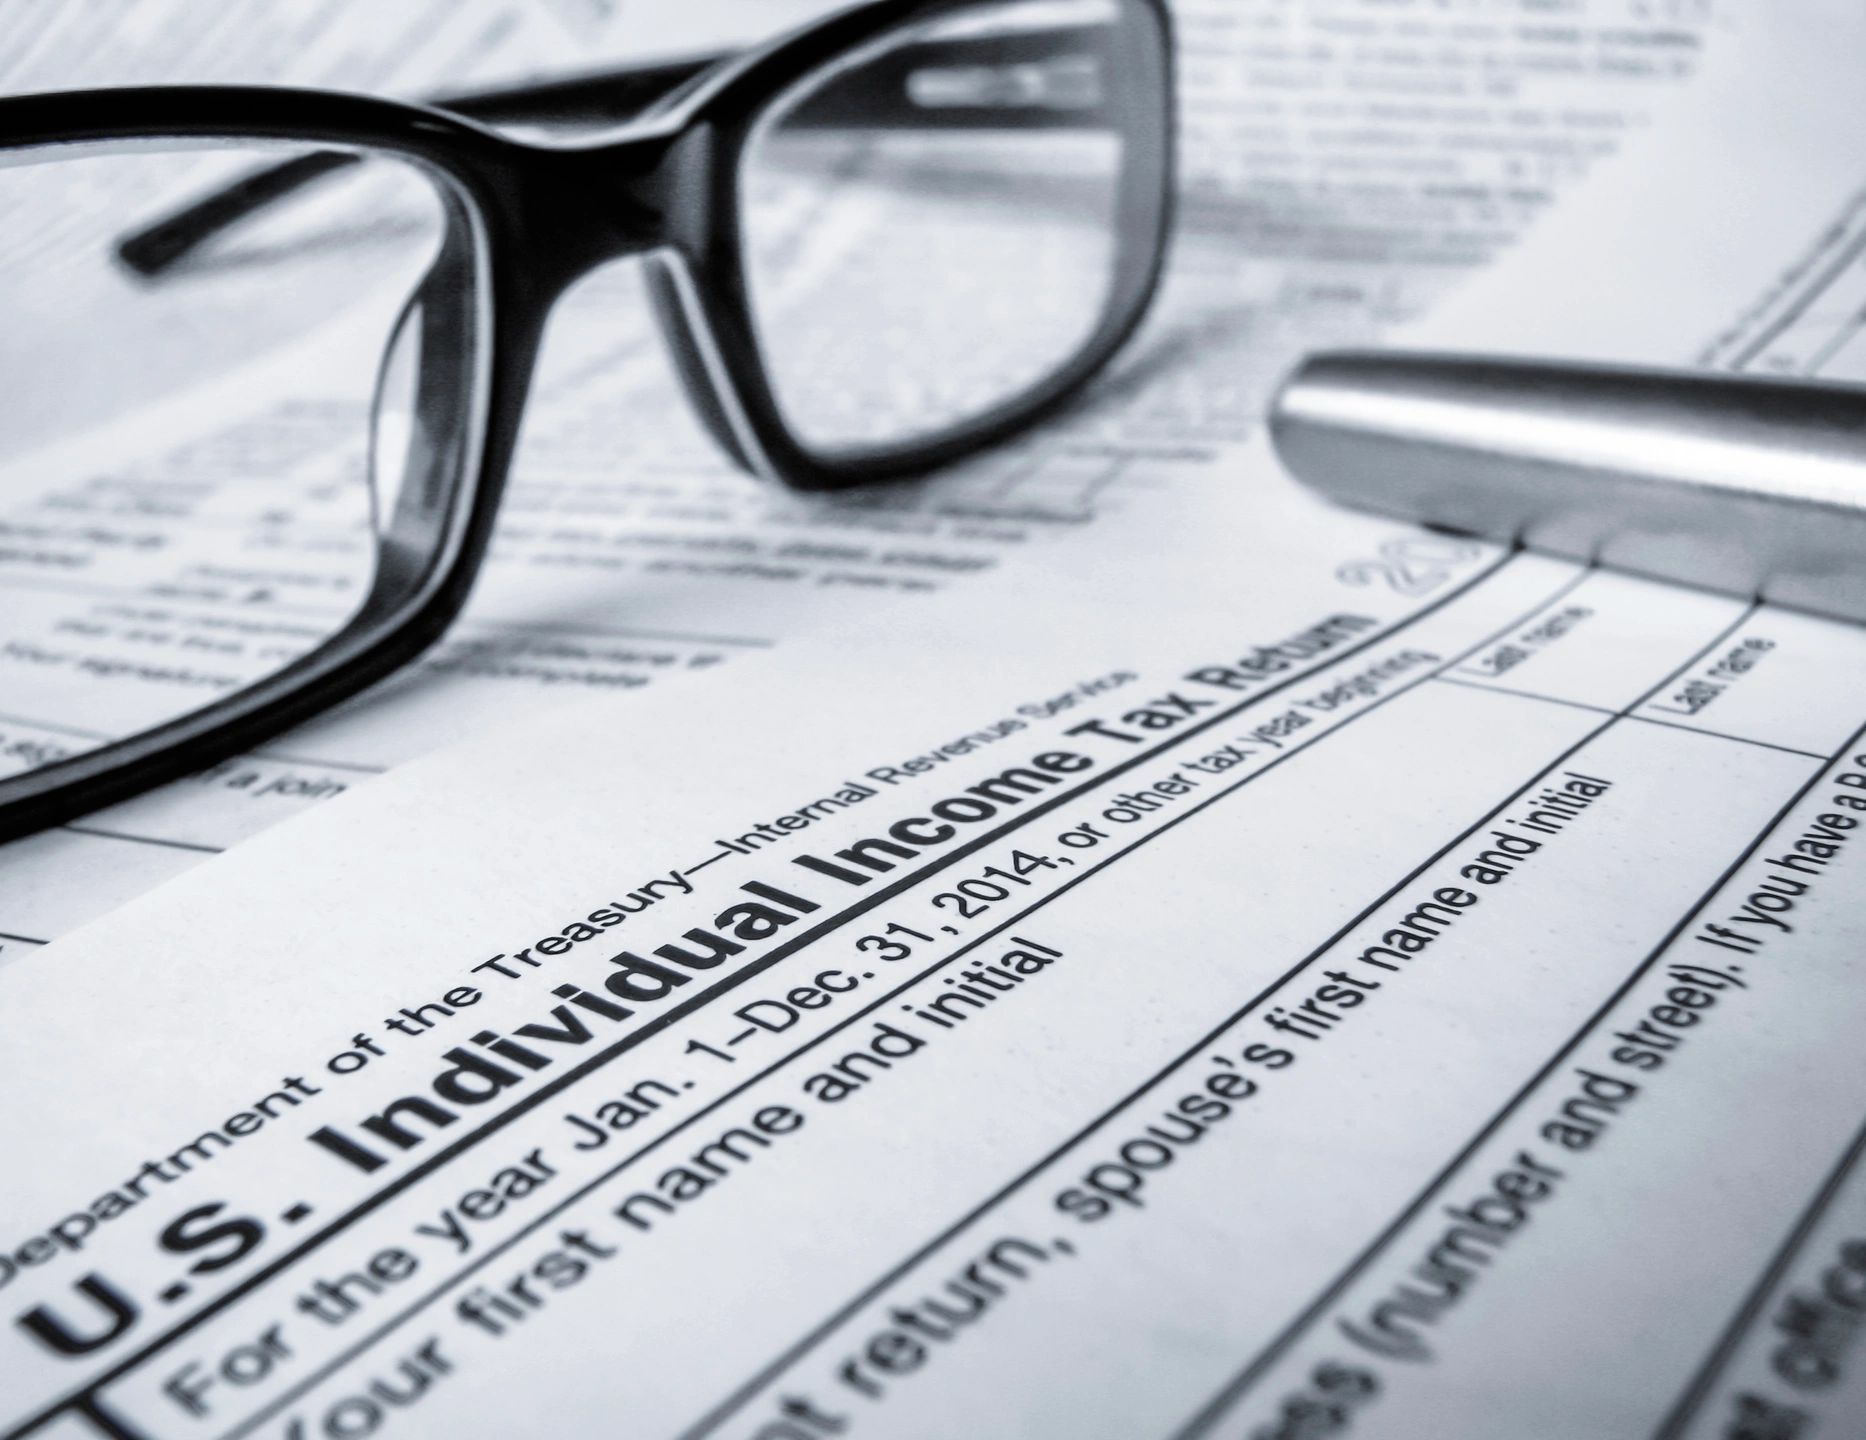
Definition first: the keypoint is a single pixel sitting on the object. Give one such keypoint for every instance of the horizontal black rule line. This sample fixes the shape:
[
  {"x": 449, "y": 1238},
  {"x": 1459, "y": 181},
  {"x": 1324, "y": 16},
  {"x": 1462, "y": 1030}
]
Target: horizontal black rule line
[{"x": 136, "y": 839}]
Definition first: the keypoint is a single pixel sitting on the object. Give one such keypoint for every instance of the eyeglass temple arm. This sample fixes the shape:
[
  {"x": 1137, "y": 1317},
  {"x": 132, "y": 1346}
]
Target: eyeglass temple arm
[{"x": 1035, "y": 79}]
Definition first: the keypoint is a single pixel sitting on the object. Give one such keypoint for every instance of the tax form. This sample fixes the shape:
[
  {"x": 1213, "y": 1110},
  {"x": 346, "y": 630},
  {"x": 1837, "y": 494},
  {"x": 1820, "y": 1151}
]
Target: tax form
[
  {"x": 1345, "y": 162},
  {"x": 1283, "y": 974}
]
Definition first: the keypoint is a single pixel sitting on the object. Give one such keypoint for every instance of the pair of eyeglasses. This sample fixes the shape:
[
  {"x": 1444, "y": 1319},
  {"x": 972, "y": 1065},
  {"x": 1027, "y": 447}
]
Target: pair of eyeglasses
[{"x": 874, "y": 247}]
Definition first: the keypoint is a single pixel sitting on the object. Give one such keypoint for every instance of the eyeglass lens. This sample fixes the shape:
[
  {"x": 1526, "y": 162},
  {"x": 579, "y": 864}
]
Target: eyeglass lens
[
  {"x": 146, "y": 577},
  {"x": 934, "y": 225}
]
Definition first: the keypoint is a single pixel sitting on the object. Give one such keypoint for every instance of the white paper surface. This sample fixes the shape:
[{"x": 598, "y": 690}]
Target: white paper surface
[{"x": 1281, "y": 974}]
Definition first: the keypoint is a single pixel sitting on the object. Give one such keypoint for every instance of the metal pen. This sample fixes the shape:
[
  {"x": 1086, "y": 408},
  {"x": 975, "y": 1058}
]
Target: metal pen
[{"x": 1745, "y": 485}]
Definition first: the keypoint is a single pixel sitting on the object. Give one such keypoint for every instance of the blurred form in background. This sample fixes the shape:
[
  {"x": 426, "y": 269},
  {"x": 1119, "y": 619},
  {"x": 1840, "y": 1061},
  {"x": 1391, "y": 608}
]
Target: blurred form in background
[{"x": 1344, "y": 163}]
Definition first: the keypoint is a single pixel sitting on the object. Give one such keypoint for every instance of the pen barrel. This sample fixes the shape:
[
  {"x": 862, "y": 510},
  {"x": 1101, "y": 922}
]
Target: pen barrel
[{"x": 1744, "y": 485}]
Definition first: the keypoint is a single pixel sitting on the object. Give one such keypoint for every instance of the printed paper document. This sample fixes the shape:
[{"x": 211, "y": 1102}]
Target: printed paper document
[{"x": 1283, "y": 974}]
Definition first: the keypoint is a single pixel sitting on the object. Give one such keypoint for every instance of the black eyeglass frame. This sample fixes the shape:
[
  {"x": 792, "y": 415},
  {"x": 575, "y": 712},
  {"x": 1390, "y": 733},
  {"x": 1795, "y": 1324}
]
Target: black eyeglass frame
[{"x": 665, "y": 187}]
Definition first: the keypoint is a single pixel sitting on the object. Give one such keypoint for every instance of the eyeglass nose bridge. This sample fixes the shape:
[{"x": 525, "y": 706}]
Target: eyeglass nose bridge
[
  {"x": 584, "y": 208},
  {"x": 649, "y": 196}
]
